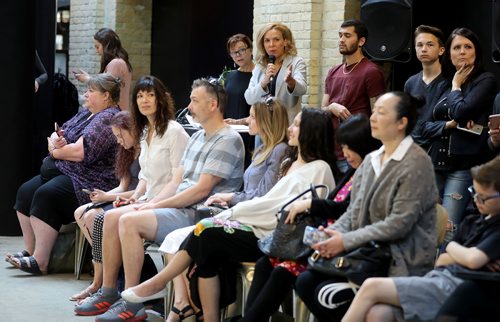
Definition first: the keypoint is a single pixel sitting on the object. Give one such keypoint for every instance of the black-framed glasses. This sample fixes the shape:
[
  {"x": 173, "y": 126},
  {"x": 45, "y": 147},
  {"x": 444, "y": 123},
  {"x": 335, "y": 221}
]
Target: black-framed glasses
[
  {"x": 481, "y": 200},
  {"x": 238, "y": 52}
]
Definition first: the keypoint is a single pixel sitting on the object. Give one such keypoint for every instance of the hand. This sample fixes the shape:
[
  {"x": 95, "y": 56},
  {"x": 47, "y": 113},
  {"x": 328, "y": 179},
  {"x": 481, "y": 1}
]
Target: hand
[
  {"x": 219, "y": 198},
  {"x": 82, "y": 76},
  {"x": 145, "y": 206},
  {"x": 230, "y": 121},
  {"x": 495, "y": 136},
  {"x": 98, "y": 195},
  {"x": 36, "y": 86},
  {"x": 332, "y": 246},
  {"x": 295, "y": 208},
  {"x": 50, "y": 145},
  {"x": 451, "y": 125},
  {"x": 59, "y": 142},
  {"x": 470, "y": 124},
  {"x": 339, "y": 111},
  {"x": 289, "y": 80},
  {"x": 494, "y": 266},
  {"x": 461, "y": 76},
  {"x": 271, "y": 70}
]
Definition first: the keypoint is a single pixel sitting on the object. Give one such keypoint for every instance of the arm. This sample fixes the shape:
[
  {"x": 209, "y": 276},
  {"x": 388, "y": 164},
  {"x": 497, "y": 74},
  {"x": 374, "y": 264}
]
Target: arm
[
  {"x": 191, "y": 195},
  {"x": 170, "y": 188},
  {"x": 470, "y": 257},
  {"x": 117, "y": 67},
  {"x": 70, "y": 152},
  {"x": 476, "y": 99},
  {"x": 255, "y": 92}
]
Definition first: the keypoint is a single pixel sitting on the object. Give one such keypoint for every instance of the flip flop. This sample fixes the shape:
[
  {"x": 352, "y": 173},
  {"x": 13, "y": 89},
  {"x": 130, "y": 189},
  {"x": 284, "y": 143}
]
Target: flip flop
[
  {"x": 27, "y": 264},
  {"x": 23, "y": 253}
]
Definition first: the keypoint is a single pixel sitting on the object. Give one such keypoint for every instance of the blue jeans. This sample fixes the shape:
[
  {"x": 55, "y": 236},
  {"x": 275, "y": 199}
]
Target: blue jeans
[{"x": 452, "y": 186}]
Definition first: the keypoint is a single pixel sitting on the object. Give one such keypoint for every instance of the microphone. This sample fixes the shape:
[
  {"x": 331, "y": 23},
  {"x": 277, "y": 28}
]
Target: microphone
[{"x": 272, "y": 59}]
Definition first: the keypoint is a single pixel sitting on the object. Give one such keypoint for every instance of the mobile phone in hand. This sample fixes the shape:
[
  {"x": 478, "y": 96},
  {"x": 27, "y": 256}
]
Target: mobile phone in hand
[
  {"x": 58, "y": 129},
  {"x": 313, "y": 236},
  {"x": 494, "y": 121},
  {"x": 87, "y": 191}
]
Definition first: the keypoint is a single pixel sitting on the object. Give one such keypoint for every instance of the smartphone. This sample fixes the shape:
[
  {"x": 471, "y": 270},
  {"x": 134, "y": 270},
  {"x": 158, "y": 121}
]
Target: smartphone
[
  {"x": 494, "y": 121},
  {"x": 121, "y": 202},
  {"x": 58, "y": 129},
  {"x": 313, "y": 235},
  {"x": 87, "y": 191},
  {"x": 477, "y": 129}
]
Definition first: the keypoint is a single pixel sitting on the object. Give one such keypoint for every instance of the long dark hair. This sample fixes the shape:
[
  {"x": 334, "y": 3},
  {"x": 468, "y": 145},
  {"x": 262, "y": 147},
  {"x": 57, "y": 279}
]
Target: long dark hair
[
  {"x": 165, "y": 107},
  {"x": 356, "y": 133},
  {"x": 124, "y": 157},
  {"x": 316, "y": 140},
  {"x": 111, "y": 48},
  {"x": 449, "y": 69}
]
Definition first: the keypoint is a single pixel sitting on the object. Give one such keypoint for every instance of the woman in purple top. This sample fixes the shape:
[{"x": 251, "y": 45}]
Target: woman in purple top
[{"x": 81, "y": 156}]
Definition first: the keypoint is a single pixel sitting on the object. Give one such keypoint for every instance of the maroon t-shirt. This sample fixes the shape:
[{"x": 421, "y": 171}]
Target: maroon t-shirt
[{"x": 353, "y": 87}]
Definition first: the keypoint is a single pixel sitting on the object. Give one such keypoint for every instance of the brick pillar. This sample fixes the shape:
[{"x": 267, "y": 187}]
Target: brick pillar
[{"x": 131, "y": 19}]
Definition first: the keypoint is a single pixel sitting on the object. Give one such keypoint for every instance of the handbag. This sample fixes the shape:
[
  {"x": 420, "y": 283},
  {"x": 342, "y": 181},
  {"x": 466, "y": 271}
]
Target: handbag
[
  {"x": 370, "y": 260},
  {"x": 285, "y": 242}
]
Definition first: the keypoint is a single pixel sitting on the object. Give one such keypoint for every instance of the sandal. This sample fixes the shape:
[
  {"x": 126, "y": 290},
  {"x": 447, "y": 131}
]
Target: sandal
[
  {"x": 83, "y": 294},
  {"x": 199, "y": 316},
  {"x": 28, "y": 265},
  {"x": 23, "y": 253},
  {"x": 182, "y": 313}
]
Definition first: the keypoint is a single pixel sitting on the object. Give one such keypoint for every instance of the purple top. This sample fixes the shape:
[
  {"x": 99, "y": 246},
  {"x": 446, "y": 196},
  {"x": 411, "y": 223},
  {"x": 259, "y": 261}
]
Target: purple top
[{"x": 99, "y": 144}]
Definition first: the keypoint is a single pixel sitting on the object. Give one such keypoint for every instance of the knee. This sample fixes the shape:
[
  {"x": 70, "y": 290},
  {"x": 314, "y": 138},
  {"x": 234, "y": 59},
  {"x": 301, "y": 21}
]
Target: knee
[
  {"x": 127, "y": 224},
  {"x": 370, "y": 287},
  {"x": 380, "y": 312},
  {"x": 304, "y": 284}
]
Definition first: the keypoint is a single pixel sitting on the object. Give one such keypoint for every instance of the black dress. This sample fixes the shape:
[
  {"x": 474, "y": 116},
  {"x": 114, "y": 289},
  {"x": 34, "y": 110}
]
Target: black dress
[{"x": 236, "y": 84}]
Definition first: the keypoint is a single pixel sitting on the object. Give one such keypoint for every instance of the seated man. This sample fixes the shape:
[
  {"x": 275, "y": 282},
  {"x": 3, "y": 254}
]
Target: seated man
[
  {"x": 212, "y": 162},
  {"x": 475, "y": 245}
]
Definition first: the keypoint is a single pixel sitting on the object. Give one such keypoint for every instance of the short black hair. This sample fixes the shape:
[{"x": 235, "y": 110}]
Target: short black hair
[
  {"x": 355, "y": 132},
  {"x": 359, "y": 27}
]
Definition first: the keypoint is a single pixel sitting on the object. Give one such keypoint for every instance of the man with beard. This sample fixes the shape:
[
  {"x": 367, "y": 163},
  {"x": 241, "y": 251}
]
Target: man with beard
[
  {"x": 353, "y": 86},
  {"x": 428, "y": 83}
]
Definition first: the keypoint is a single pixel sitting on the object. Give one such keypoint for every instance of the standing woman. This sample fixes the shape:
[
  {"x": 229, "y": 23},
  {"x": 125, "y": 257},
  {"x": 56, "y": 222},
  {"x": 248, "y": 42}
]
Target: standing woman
[
  {"x": 239, "y": 47},
  {"x": 114, "y": 60},
  {"x": 81, "y": 156},
  {"x": 280, "y": 72},
  {"x": 468, "y": 101}
]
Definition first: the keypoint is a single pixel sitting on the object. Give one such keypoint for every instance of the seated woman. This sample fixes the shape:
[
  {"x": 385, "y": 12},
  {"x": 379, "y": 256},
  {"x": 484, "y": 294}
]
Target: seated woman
[
  {"x": 127, "y": 169},
  {"x": 273, "y": 279},
  {"x": 386, "y": 206},
  {"x": 232, "y": 235},
  {"x": 163, "y": 142},
  {"x": 82, "y": 157},
  {"x": 270, "y": 121},
  {"x": 474, "y": 247}
]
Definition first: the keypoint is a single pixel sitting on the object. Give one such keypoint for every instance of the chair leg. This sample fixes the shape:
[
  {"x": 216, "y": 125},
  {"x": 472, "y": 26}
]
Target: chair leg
[
  {"x": 80, "y": 252},
  {"x": 300, "y": 311}
]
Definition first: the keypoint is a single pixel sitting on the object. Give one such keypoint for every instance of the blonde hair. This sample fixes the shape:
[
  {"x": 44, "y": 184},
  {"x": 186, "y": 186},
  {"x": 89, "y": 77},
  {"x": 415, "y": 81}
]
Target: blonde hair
[
  {"x": 272, "y": 120},
  {"x": 262, "y": 58}
]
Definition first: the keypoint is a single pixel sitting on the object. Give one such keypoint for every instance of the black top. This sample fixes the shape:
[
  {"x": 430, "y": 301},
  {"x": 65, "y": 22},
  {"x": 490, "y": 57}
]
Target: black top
[{"x": 236, "y": 84}]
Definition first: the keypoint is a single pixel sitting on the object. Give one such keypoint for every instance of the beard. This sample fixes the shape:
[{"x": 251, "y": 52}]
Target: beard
[{"x": 349, "y": 50}]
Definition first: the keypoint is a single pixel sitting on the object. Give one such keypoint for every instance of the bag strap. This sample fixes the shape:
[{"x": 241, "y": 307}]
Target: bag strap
[{"x": 311, "y": 189}]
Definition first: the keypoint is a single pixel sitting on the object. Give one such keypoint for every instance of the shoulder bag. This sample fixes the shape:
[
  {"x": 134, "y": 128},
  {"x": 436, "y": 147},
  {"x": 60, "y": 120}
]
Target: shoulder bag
[
  {"x": 285, "y": 242},
  {"x": 370, "y": 260}
]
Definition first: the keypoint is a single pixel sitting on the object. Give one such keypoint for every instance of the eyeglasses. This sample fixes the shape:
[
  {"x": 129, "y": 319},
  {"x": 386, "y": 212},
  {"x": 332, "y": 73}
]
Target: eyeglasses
[
  {"x": 481, "y": 200},
  {"x": 216, "y": 85},
  {"x": 237, "y": 53}
]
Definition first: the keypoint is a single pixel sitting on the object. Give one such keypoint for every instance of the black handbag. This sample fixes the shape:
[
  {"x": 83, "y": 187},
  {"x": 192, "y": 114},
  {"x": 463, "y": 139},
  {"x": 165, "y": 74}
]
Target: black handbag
[
  {"x": 285, "y": 242},
  {"x": 371, "y": 260}
]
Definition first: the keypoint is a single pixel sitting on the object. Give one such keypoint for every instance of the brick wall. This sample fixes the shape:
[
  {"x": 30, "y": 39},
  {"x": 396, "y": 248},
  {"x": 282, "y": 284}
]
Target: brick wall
[{"x": 131, "y": 19}]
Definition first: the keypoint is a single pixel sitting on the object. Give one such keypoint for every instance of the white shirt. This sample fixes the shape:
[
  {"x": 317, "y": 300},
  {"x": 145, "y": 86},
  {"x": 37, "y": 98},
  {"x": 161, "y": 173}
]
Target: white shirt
[
  {"x": 161, "y": 157},
  {"x": 397, "y": 155}
]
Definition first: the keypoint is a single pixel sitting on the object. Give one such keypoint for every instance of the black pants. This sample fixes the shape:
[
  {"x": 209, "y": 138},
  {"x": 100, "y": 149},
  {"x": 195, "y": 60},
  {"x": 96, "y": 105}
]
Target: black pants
[
  {"x": 472, "y": 302},
  {"x": 270, "y": 286},
  {"x": 308, "y": 286}
]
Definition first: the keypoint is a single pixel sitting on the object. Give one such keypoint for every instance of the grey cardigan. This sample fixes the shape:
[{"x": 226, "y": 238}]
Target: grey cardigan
[{"x": 398, "y": 207}]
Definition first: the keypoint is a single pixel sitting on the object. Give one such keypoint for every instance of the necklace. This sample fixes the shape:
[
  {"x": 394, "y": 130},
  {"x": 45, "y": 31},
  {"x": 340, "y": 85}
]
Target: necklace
[{"x": 344, "y": 66}]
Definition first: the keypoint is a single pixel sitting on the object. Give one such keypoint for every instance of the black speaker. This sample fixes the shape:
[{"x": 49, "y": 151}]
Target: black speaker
[
  {"x": 495, "y": 32},
  {"x": 389, "y": 24}
]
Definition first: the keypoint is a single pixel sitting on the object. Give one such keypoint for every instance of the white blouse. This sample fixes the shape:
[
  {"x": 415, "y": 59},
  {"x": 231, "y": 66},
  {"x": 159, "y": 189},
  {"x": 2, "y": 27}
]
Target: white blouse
[{"x": 161, "y": 157}]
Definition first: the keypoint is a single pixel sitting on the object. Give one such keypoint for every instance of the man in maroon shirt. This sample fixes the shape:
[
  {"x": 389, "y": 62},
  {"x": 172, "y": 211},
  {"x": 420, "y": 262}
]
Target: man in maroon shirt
[{"x": 353, "y": 86}]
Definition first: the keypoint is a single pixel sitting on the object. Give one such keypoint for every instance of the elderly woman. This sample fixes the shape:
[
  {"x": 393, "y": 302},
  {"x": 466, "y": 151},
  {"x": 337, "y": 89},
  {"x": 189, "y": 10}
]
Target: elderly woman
[
  {"x": 81, "y": 157},
  {"x": 386, "y": 206},
  {"x": 279, "y": 72}
]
